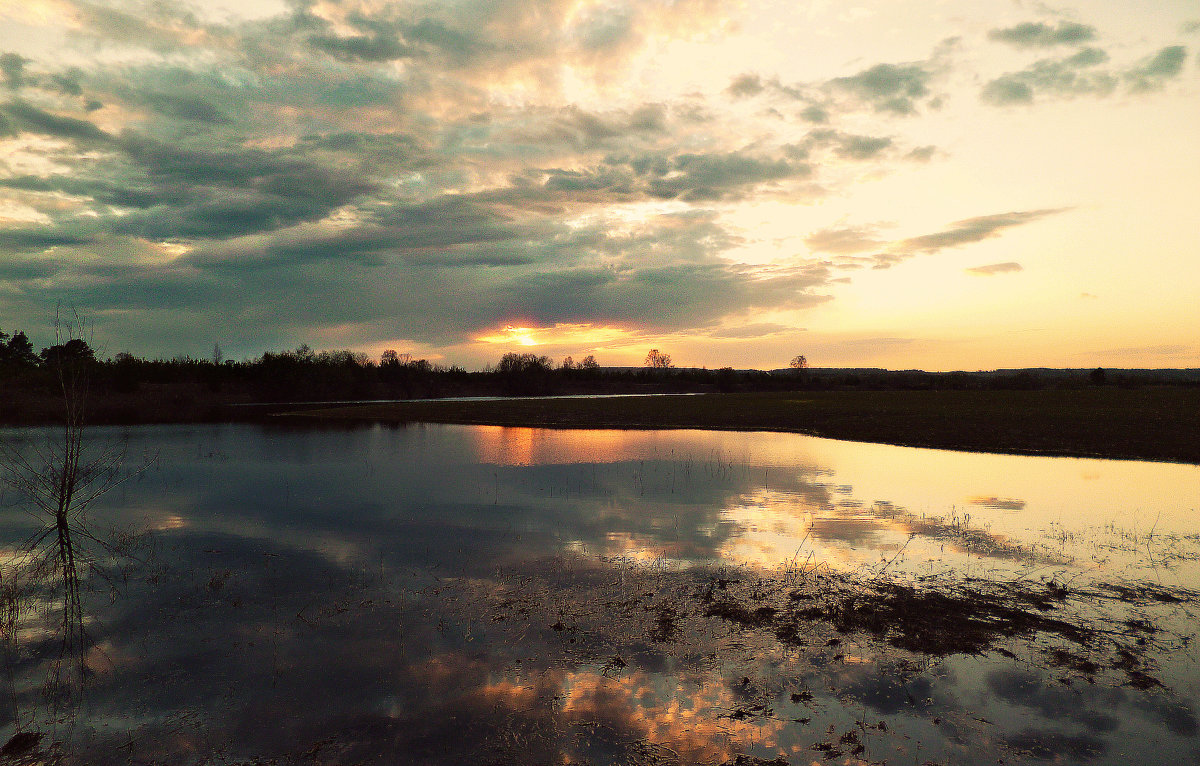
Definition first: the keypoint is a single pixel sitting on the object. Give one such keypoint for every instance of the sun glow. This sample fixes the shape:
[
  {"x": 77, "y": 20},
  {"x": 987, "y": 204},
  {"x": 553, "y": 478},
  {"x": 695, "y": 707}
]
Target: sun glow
[{"x": 585, "y": 337}]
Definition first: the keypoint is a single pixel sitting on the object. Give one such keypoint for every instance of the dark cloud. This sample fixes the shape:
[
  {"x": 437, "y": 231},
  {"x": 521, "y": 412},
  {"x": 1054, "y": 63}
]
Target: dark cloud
[
  {"x": 995, "y": 268},
  {"x": 179, "y": 93},
  {"x": 190, "y": 108},
  {"x": 361, "y": 47},
  {"x": 392, "y": 276},
  {"x": 687, "y": 177},
  {"x": 221, "y": 193},
  {"x": 1031, "y": 34},
  {"x": 1008, "y": 89},
  {"x": 895, "y": 88},
  {"x": 1162, "y": 66},
  {"x": 713, "y": 176},
  {"x": 1074, "y": 75},
  {"x": 921, "y": 154},
  {"x": 40, "y": 239},
  {"x": 12, "y": 66},
  {"x": 815, "y": 114},
  {"x": 26, "y": 118},
  {"x": 1079, "y": 75},
  {"x": 969, "y": 231},
  {"x": 846, "y": 243},
  {"x": 746, "y": 85},
  {"x": 843, "y": 145},
  {"x": 481, "y": 36}
]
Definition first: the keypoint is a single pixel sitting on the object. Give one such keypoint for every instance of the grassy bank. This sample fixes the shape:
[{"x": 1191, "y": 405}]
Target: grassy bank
[{"x": 1151, "y": 423}]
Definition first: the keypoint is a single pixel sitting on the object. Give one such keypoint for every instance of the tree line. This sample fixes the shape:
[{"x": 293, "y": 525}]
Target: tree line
[
  {"x": 127, "y": 388},
  {"x": 130, "y": 389}
]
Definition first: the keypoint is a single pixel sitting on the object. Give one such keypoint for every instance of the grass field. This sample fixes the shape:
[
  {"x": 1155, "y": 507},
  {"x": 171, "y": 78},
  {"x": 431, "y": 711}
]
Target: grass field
[{"x": 1151, "y": 423}]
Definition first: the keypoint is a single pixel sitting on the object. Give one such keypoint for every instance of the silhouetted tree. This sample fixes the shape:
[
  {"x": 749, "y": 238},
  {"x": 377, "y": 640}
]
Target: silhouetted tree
[
  {"x": 799, "y": 362},
  {"x": 589, "y": 363},
  {"x": 75, "y": 351},
  {"x": 16, "y": 351},
  {"x": 512, "y": 363},
  {"x": 658, "y": 360}
]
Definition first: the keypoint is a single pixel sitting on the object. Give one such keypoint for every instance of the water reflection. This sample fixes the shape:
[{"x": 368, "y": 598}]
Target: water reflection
[{"x": 449, "y": 594}]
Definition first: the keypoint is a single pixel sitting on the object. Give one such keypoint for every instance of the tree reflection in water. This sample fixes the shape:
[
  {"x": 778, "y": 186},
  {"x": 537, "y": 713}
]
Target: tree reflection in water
[
  {"x": 408, "y": 596},
  {"x": 55, "y": 481}
]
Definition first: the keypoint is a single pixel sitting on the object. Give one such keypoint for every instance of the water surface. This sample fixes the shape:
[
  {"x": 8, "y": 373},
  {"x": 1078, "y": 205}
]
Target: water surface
[{"x": 449, "y": 594}]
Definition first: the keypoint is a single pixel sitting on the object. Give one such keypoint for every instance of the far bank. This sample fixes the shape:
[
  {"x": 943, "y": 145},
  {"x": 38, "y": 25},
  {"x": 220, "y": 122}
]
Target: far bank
[{"x": 1149, "y": 423}]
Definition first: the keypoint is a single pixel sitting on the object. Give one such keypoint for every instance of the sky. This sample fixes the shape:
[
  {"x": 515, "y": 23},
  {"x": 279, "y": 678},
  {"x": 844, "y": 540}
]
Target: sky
[{"x": 934, "y": 184}]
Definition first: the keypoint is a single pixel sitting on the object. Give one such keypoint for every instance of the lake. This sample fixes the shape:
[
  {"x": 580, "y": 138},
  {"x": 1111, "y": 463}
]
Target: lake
[{"x": 471, "y": 594}]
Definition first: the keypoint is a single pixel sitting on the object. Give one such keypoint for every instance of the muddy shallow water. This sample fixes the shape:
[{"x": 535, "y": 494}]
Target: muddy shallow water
[{"x": 466, "y": 594}]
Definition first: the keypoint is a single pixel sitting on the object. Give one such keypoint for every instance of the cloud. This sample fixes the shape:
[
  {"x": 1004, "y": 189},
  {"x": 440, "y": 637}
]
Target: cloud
[
  {"x": 894, "y": 88},
  {"x": 361, "y": 47},
  {"x": 846, "y": 243},
  {"x": 12, "y": 66},
  {"x": 1080, "y": 75},
  {"x": 1162, "y": 66},
  {"x": 392, "y": 277},
  {"x": 351, "y": 165},
  {"x": 843, "y": 241},
  {"x": 759, "y": 330},
  {"x": 969, "y": 231},
  {"x": 1074, "y": 75},
  {"x": 862, "y": 147},
  {"x": 891, "y": 89},
  {"x": 26, "y": 118},
  {"x": 995, "y": 268},
  {"x": 689, "y": 177},
  {"x": 848, "y": 146},
  {"x": 1040, "y": 35},
  {"x": 746, "y": 85}
]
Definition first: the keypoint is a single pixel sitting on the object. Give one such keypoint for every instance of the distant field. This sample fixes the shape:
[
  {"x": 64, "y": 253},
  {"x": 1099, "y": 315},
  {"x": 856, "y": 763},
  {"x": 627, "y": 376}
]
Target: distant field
[{"x": 1151, "y": 423}]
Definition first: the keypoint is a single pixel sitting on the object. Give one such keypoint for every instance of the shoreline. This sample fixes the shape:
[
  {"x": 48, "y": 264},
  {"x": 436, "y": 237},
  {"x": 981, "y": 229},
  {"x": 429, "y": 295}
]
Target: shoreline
[{"x": 1159, "y": 425}]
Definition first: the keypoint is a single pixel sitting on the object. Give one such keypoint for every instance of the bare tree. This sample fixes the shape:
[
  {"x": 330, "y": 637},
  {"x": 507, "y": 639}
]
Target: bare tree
[
  {"x": 58, "y": 481},
  {"x": 799, "y": 362},
  {"x": 658, "y": 360}
]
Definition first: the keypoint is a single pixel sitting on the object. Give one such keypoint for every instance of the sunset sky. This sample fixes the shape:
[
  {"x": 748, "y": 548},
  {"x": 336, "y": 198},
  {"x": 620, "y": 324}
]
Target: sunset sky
[{"x": 941, "y": 184}]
